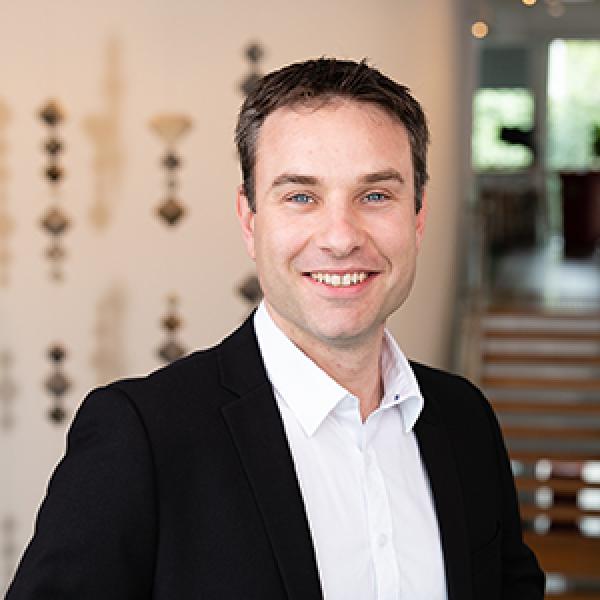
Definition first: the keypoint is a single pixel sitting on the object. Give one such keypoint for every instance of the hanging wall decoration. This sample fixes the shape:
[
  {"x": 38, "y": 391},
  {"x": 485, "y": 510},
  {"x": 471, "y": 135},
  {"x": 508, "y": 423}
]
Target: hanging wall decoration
[
  {"x": 254, "y": 54},
  {"x": 172, "y": 349},
  {"x": 57, "y": 384},
  {"x": 250, "y": 291},
  {"x": 6, "y": 221},
  {"x": 249, "y": 288},
  {"x": 171, "y": 128},
  {"x": 108, "y": 357},
  {"x": 104, "y": 132},
  {"x": 8, "y": 391},
  {"x": 55, "y": 222}
]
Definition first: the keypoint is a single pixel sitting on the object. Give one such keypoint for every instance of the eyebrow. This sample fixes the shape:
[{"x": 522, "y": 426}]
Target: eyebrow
[
  {"x": 385, "y": 175},
  {"x": 286, "y": 178},
  {"x": 376, "y": 177}
]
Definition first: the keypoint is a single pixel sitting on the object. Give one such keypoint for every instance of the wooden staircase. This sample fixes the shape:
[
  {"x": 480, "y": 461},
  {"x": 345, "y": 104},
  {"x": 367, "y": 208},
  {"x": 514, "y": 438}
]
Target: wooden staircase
[{"x": 541, "y": 372}]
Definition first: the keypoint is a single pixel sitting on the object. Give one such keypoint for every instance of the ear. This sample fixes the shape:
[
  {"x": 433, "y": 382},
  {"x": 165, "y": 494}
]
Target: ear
[
  {"x": 246, "y": 219},
  {"x": 420, "y": 219}
]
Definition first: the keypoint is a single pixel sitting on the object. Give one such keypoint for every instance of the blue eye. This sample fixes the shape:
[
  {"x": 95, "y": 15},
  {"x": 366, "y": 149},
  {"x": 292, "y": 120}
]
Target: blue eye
[
  {"x": 301, "y": 198},
  {"x": 375, "y": 197}
]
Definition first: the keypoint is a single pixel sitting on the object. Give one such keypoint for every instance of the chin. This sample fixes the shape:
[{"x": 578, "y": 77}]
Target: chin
[{"x": 343, "y": 336}]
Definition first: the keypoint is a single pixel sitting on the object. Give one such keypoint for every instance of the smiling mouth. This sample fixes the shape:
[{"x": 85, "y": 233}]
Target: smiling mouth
[{"x": 339, "y": 279}]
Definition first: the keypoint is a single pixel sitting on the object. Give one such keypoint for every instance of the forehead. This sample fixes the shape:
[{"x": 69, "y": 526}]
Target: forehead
[
  {"x": 335, "y": 136},
  {"x": 333, "y": 110}
]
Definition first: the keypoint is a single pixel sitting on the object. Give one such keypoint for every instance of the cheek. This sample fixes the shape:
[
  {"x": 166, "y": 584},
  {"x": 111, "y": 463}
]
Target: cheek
[
  {"x": 396, "y": 242},
  {"x": 278, "y": 242},
  {"x": 268, "y": 251}
]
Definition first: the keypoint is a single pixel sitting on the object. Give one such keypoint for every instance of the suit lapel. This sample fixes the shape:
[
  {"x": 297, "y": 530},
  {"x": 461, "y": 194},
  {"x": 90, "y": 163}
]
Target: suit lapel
[
  {"x": 258, "y": 433},
  {"x": 440, "y": 465}
]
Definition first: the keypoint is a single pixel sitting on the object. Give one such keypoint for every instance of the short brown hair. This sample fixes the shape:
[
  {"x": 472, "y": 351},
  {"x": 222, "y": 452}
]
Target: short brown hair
[{"x": 328, "y": 78}]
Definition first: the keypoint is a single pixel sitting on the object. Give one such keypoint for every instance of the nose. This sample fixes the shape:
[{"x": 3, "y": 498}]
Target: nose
[{"x": 341, "y": 232}]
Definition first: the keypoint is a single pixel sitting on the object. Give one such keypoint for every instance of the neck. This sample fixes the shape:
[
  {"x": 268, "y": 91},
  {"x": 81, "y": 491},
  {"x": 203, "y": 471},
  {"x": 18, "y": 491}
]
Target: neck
[{"x": 355, "y": 366}]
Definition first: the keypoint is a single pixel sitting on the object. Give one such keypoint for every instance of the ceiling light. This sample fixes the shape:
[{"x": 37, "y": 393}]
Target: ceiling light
[{"x": 479, "y": 29}]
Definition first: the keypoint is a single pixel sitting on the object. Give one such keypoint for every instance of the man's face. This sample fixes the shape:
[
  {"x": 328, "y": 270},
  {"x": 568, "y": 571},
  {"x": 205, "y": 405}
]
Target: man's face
[{"x": 335, "y": 235}]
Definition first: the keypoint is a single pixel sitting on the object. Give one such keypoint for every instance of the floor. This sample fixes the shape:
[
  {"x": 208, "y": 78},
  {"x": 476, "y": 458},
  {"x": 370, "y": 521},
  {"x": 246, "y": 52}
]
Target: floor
[{"x": 543, "y": 278}]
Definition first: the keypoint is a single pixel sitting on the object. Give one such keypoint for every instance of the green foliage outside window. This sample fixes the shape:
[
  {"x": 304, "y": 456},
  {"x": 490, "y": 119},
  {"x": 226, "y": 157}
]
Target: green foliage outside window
[
  {"x": 574, "y": 104},
  {"x": 492, "y": 110}
]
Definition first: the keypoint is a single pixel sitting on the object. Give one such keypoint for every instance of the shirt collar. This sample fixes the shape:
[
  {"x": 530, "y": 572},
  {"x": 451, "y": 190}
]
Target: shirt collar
[
  {"x": 399, "y": 383},
  {"x": 312, "y": 394}
]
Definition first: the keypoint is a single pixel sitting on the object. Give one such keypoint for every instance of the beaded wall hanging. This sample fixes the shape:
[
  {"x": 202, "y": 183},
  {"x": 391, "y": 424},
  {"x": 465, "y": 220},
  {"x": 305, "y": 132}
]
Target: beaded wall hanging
[
  {"x": 171, "y": 128},
  {"x": 104, "y": 132},
  {"x": 55, "y": 222},
  {"x": 254, "y": 54},
  {"x": 172, "y": 349},
  {"x": 249, "y": 288},
  {"x": 250, "y": 291},
  {"x": 57, "y": 384}
]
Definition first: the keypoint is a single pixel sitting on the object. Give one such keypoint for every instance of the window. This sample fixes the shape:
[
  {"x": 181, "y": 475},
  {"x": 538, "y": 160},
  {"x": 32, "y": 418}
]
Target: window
[
  {"x": 573, "y": 105},
  {"x": 497, "y": 114}
]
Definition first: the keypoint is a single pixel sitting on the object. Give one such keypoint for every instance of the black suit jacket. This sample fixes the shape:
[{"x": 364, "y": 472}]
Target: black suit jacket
[{"x": 181, "y": 485}]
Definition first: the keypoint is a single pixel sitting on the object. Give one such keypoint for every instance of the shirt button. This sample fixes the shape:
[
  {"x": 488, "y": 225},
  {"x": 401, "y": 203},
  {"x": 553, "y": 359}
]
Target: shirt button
[{"x": 382, "y": 540}]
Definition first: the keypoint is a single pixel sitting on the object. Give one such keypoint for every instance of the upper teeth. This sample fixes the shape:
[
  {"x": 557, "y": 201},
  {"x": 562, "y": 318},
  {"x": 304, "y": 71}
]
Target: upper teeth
[{"x": 339, "y": 279}]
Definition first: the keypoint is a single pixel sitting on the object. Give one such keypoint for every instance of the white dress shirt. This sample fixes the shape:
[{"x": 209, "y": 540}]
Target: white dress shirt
[{"x": 365, "y": 491}]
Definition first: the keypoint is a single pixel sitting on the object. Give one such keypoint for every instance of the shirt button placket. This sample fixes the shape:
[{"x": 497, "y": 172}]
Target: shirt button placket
[{"x": 380, "y": 530}]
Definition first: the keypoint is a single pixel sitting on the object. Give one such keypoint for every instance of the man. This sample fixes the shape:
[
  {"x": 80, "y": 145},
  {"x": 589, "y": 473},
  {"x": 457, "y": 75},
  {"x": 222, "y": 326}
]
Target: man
[{"x": 303, "y": 457}]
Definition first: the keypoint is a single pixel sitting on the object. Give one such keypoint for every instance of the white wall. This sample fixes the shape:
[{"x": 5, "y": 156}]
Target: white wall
[{"x": 183, "y": 55}]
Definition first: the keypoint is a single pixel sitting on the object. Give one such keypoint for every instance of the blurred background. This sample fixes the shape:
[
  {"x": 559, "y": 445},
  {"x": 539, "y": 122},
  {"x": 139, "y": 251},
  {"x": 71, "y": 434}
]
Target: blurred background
[{"x": 119, "y": 248}]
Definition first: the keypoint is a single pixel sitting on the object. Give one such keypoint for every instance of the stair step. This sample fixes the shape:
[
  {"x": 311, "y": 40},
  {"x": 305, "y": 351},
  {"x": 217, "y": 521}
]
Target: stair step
[
  {"x": 580, "y": 422},
  {"x": 543, "y": 447},
  {"x": 550, "y": 348},
  {"x": 576, "y": 595},
  {"x": 535, "y": 323},
  {"x": 542, "y": 334},
  {"x": 542, "y": 371},
  {"x": 552, "y": 395},
  {"x": 558, "y": 513},
  {"x": 558, "y": 485},
  {"x": 567, "y": 553},
  {"x": 527, "y": 383},
  {"x": 532, "y": 359},
  {"x": 584, "y": 471},
  {"x": 532, "y": 455},
  {"x": 551, "y": 434},
  {"x": 569, "y": 312},
  {"x": 542, "y": 408}
]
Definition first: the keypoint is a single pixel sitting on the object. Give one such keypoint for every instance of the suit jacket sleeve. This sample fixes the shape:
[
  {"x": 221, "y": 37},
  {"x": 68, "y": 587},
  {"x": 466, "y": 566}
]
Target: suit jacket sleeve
[{"x": 95, "y": 531}]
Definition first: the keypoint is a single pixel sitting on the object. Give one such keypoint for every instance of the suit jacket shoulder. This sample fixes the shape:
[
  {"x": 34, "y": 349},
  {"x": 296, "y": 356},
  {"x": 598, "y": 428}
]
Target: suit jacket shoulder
[{"x": 171, "y": 483}]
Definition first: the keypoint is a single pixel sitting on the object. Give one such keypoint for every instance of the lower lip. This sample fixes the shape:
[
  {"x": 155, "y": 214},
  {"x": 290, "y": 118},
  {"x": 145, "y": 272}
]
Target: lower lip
[{"x": 342, "y": 291}]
